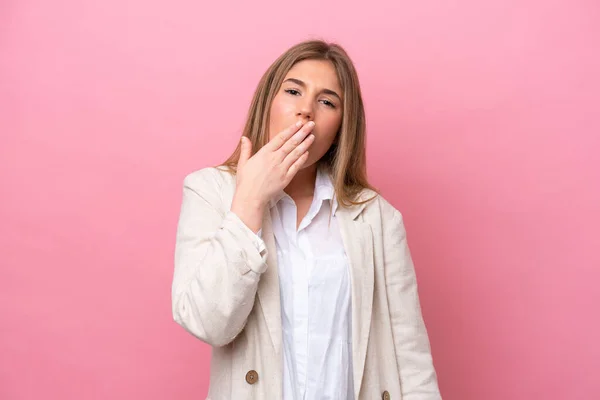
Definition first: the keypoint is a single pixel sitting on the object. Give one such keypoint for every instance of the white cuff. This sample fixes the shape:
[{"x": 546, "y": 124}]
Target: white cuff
[{"x": 255, "y": 237}]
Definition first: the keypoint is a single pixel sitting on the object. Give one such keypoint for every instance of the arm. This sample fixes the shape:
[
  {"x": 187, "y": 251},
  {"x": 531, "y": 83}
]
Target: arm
[
  {"x": 218, "y": 264},
  {"x": 413, "y": 355}
]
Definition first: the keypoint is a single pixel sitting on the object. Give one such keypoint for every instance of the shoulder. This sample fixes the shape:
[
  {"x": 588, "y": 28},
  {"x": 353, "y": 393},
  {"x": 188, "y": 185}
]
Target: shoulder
[
  {"x": 208, "y": 179},
  {"x": 379, "y": 205},
  {"x": 383, "y": 217}
]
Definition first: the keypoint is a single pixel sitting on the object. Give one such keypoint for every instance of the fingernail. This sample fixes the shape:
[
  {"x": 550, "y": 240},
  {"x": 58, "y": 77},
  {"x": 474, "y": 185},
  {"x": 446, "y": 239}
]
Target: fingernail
[
  {"x": 311, "y": 124},
  {"x": 299, "y": 123}
]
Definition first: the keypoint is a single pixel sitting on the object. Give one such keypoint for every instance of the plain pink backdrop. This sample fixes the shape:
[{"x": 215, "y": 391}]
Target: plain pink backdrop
[{"x": 482, "y": 129}]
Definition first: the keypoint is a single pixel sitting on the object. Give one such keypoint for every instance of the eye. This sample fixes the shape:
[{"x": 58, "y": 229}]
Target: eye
[
  {"x": 328, "y": 103},
  {"x": 293, "y": 92}
]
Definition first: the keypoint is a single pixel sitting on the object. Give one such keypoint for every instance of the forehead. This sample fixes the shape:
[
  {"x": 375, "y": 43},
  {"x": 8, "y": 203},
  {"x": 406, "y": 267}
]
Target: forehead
[{"x": 320, "y": 73}]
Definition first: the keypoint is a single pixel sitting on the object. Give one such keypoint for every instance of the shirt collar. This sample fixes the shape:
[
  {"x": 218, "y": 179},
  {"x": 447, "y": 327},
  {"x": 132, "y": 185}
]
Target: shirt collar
[{"x": 324, "y": 189}]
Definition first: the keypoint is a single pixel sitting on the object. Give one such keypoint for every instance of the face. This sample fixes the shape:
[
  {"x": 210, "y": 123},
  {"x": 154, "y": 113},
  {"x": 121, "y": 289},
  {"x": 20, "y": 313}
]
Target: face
[{"x": 310, "y": 92}]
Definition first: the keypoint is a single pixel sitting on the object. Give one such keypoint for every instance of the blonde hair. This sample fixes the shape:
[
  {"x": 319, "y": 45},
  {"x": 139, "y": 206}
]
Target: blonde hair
[{"x": 346, "y": 158}]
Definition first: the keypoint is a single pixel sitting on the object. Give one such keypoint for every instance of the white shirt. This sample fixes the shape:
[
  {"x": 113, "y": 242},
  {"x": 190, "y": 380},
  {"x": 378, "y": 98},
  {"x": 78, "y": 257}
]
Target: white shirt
[{"x": 315, "y": 292}]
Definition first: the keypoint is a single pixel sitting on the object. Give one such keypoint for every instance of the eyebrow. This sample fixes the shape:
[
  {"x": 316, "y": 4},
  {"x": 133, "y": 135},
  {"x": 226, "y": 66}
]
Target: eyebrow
[{"x": 301, "y": 83}]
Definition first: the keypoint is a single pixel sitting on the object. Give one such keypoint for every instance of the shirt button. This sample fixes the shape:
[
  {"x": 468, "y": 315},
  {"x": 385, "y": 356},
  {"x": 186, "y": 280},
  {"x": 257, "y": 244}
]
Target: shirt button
[
  {"x": 252, "y": 377},
  {"x": 385, "y": 395}
]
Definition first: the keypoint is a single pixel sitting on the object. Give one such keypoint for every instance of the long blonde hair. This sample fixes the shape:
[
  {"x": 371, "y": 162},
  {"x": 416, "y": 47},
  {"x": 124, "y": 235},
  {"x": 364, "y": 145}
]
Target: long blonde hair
[{"x": 346, "y": 158}]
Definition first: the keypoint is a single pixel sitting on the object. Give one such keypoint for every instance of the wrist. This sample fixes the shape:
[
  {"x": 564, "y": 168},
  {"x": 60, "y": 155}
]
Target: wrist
[
  {"x": 250, "y": 211},
  {"x": 247, "y": 203}
]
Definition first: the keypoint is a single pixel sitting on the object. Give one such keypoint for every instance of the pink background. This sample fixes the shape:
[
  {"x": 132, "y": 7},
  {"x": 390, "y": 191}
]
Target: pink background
[{"x": 482, "y": 129}]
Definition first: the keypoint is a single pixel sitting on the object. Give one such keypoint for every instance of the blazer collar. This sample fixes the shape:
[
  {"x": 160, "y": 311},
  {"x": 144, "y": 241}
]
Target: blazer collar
[{"x": 324, "y": 189}]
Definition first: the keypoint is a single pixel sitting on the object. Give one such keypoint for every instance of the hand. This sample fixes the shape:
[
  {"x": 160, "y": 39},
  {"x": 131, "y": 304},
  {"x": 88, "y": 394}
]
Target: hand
[{"x": 261, "y": 176}]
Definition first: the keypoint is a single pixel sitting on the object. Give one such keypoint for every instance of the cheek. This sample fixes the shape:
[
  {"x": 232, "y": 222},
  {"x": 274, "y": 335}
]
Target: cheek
[
  {"x": 330, "y": 125},
  {"x": 281, "y": 115},
  {"x": 276, "y": 108}
]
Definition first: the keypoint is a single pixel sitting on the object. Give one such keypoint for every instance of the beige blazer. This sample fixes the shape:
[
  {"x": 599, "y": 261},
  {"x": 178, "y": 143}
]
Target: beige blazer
[{"x": 226, "y": 294}]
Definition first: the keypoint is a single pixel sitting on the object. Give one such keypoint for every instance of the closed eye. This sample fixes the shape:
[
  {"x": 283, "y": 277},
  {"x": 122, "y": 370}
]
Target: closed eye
[{"x": 328, "y": 103}]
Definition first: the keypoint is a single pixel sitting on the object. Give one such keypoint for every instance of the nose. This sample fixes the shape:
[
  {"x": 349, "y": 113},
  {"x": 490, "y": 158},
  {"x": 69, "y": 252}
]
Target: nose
[{"x": 305, "y": 110}]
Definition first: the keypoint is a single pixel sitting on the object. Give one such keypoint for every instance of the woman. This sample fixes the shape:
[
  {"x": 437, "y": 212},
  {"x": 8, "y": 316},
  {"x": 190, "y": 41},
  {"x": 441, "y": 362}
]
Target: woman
[{"x": 289, "y": 263}]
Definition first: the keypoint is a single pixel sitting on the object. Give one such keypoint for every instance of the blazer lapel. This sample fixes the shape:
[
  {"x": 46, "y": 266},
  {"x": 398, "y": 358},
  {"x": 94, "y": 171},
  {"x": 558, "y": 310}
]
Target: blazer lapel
[
  {"x": 268, "y": 286},
  {"x": 358, "y": 242}
]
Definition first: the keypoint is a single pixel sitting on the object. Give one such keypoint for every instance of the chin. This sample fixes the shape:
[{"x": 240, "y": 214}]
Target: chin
[{"x": 309, "y": 163}]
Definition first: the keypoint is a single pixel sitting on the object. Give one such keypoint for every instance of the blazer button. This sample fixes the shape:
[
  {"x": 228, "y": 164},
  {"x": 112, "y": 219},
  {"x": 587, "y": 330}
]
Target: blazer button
[
  {"x": 385, "y": 395},
  {"x": 252, "y": 377}
]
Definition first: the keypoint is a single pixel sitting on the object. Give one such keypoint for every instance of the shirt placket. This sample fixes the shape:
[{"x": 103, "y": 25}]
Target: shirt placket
[
  {"x": 300, "y": 298},
  {"x": 302, "y": 269},
  {"x": 301, "y": 312}
]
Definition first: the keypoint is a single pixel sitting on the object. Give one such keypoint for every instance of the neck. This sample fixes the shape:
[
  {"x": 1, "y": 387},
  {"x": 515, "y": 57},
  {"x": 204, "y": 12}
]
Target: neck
[{"x": 303, "y": 183}]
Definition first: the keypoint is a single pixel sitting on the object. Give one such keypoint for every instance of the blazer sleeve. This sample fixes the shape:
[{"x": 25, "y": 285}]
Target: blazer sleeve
[
  {"x": 218, "y": 264},
  {"x": 413, "y": 354}
]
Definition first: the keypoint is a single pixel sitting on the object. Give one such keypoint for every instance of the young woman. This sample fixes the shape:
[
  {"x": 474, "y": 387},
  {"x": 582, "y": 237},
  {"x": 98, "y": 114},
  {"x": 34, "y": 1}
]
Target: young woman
[{"x": 289, "y": 263}]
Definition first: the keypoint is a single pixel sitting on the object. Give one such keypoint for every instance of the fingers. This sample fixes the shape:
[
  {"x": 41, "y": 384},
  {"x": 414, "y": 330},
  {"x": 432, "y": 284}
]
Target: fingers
[
  {"x": 295, "y": 167},
  {"x": 296, "y": 139},
  {"x": 298, "y": 152},
  {"x": 283, "y": 136},
  {"x": 245, "y": 153}
]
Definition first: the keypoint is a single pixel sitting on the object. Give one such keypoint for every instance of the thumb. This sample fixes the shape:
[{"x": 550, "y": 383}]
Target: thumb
[{"x": 246, "y": 151}]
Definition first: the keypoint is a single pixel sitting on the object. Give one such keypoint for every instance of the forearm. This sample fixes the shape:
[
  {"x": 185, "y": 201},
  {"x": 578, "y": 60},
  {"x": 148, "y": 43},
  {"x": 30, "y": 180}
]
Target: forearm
[
  {"x": 216, "y": 281},
  {"x": 249, "y": 211}
]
